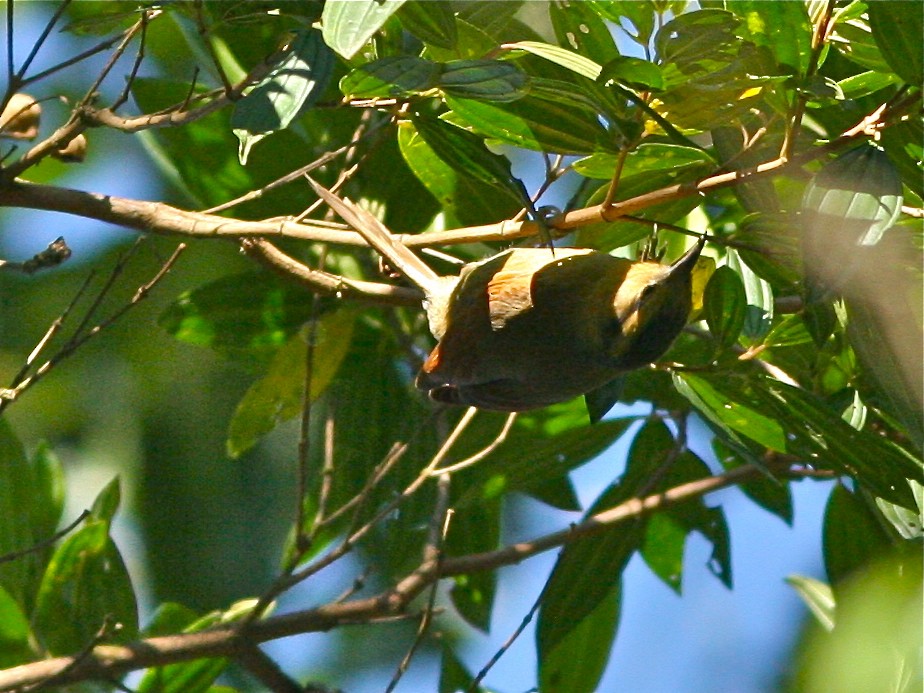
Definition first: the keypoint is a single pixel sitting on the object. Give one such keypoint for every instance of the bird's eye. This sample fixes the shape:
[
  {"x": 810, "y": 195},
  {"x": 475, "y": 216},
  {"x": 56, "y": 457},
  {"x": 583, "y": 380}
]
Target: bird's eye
[{"x": 647, "y": 292}]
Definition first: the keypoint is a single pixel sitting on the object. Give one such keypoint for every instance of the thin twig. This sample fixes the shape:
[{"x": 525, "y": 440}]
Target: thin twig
[
  {"x": 39, "y": 42},
  {"x": 45, "y": 543},
  {"x": 439, "y": 525},
  {"x": 224, "y": 640},
  {"x": 484, "y": 452}
]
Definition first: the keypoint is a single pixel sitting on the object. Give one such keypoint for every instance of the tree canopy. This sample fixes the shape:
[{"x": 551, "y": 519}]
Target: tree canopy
[{"x": 246, "y": 361}]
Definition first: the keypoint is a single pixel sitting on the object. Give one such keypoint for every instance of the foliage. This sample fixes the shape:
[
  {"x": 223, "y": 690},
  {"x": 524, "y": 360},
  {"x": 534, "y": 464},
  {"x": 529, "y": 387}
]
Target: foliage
[{"x": 789, "y": 133}]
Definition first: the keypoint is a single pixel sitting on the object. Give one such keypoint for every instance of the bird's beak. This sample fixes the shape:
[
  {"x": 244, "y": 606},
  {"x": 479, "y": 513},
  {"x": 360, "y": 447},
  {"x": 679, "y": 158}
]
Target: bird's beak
[{"x": 685, "y": 263}]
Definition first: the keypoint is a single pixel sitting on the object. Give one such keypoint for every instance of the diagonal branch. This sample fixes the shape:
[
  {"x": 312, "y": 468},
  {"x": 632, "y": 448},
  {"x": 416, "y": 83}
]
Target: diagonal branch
[{"x": 227, "y": 640}]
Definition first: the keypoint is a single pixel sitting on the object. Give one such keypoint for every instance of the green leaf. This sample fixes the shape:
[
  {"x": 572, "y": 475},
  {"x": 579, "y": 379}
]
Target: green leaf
[
  {"x": 819, "y": 432},
  {"x": 759, "y": 314},
  {"x": 770, "y": 246},
  {"x": 465, "y": 200},
  {"x": 723, "y": 408},
  {"x": 16, "y": 502},
  {"x": 197, "y": 675},
  {"x": 578, "y": 660},
  {"x": 560, "y": 56},
  {"x": 248, "y": 314},
  {"x": 538, "y": 121},
  {"x": 589, "y": 569},
  {"x": 48, "y": 498},
  {"x": 169, "y": 618},
  {"x": 783, "y": 27},
  {"x": 640, "y": 13},
  {"x": 462, "y": 151},
  {"x": 908, "y": 523},
  {"x": 529, "y": 458},
  {"x": 602, "y": 399},
  {"x": 662, "y": 549},
  {"x": 484, "y": 80},
  {"x": 818, "y": 596},
  {"x": 581, "y": 29},
  {"x": 635, "y": 73},
  {"x": 348, "y": 24},
  {"x": 294, "y": 84},
  {"x": 394, "y": 75},
  {"x": 865, "y": 83},
  {"x": 454, "y": 676},
  {"x": 14, "y": 633},
  {"x": 85, "y": 587},
  {"x": 107, "y": 502},
  {"x": 852, "y": 535},
  {"x": 853, "y": 200},
  {"x": 279, "y": 395},
  {"x": 773, "y": 495},
  {"x": 432, "y": 21},
  {"x": 897, "y": 29},
  {"x": 475, "y": 529},
  {"x": 645, "y": 159},
  {"x": 725, "y": 305}
]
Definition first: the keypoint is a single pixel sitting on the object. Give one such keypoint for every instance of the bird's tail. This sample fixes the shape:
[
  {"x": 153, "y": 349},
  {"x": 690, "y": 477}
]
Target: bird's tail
[{"x": 380, "y": 238}]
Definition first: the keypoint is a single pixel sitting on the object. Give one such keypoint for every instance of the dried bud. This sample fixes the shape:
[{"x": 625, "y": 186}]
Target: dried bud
[
  {"x": 20, "y": 118},
  {"x": 74, "y": 151}
]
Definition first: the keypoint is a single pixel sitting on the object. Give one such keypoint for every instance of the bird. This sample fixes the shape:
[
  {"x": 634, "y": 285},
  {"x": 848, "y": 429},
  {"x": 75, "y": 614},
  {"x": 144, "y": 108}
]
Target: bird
[{"x": 531, "y": 327}]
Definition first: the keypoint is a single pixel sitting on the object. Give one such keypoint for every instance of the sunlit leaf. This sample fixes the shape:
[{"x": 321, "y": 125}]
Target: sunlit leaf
[
  {"x": 817, "y": 596},
  {"x": 348, "y": 24}
]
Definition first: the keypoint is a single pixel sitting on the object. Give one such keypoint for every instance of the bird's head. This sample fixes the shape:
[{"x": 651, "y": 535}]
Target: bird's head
[{"x": 651, "y": 307}]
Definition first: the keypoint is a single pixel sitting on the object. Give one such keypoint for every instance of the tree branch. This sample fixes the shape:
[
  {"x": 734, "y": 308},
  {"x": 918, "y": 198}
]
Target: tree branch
[{"x": 227, "y": 640}]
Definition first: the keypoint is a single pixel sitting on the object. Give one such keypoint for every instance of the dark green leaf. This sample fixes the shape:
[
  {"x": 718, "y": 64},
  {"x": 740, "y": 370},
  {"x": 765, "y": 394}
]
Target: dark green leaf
[
  {"x": 279, "y": 395},
  {"x": 581, "y": 29},
  {"x": 529, "y": 458},
  {"x": 48, "y": 499},
  {"x": 395, "y": 75},
  {"x": 294, "y": 84},
  {"x": 874, "y": 461},
  {"x": 662, "y": 549},
  {"x": 16, "y": 486},
  {"x": 484, "y": 80},
  {"x": 14, "y": 633},
  {"x": 770, "y": 247},
  {"x": 851, "y": 202},
  {"x": 722, "y": 408},
  {"x": 465, "y": 201},
  {"x": 348, "y": 24},
  {"x": 897, "y": 29},
  {"x": 247, "y": 314},
  {"x": 475, "y": 529},
  {"x": 725, "y": 305},
  {"x": 577, "y": 661},
  {"x": 538, "y": 121},
  {"x": 589, "y": 569},
  {"x": 601, "y": 400},
  {"x": 85, "y": 587},
  {"x": 639, "y": 13},
  {"x": 694, "y": 37},
  {"x": 466, "y": 153},
  {"x": 852, "y": 535},
  {"x": 632, "y": 72},
  {"x": 453, "y": 674},
  {"x": 773, "y": 495},
  {"x": 431, "y": 21},
  {"x": 783, "y": 27}
]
